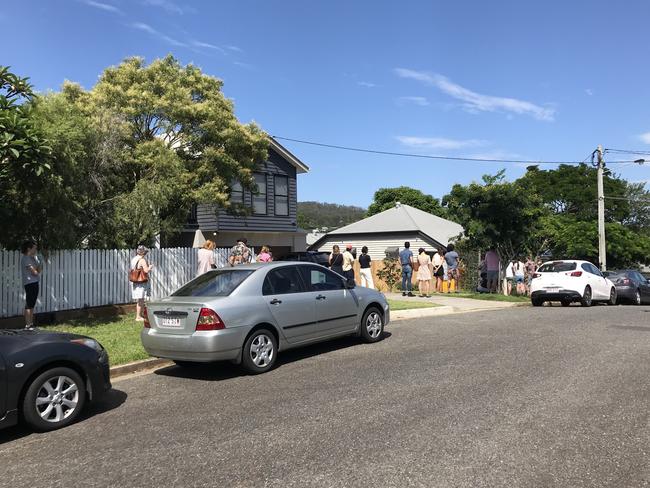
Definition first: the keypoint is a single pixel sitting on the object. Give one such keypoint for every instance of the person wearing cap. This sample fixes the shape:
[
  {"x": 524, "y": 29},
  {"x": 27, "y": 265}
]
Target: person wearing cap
[
  {"x": 348, "y": 263},
  {"x": 140, "y": 291}
]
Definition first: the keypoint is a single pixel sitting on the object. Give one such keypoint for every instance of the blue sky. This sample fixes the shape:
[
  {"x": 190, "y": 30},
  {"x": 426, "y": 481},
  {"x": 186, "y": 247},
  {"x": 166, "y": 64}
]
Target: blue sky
[{"x": 508, "y": 79}]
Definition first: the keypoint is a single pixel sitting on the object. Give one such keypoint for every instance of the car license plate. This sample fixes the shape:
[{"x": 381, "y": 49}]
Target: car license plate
[
  {"x": 168, "y": 322},
  {"x": 552, "y": 289}
]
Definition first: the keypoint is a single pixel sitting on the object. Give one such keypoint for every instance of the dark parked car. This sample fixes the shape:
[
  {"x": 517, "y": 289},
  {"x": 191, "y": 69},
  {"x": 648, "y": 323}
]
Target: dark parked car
[
  {"x": 47, "y": 377},
  {"x": 317, "y": 257},
  {"x": 631, "y": 286}
]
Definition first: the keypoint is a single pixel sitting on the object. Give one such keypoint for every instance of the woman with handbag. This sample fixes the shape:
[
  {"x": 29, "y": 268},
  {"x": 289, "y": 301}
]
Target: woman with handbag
[{"x": 139, "y": 278}]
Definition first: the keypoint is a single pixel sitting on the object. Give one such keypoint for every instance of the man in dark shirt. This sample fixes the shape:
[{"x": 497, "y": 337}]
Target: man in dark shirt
[{"x": 406, "y": 260}]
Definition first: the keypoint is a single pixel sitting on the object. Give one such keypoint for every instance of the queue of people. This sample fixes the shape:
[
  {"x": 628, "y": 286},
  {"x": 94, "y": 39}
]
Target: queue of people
[
  {"x": 518, "y": 273},
  {"x": 432, "y": 271}
]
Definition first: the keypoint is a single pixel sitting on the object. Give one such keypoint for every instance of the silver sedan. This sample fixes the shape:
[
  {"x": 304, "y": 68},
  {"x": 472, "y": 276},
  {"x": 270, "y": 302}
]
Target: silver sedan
[{"x": 248, "y": 314}]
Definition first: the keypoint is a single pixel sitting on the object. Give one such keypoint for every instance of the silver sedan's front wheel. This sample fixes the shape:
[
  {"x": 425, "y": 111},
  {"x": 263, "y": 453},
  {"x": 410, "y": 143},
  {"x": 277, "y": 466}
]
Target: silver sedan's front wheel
[
  {"x": 372, "y": 325},
  {"x": 260, "y": 351},
  {"x": 54, "y": 399}
]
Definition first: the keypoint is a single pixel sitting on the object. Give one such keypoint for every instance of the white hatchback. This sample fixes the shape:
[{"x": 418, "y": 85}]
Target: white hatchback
[{"x": 569, "y": 281}]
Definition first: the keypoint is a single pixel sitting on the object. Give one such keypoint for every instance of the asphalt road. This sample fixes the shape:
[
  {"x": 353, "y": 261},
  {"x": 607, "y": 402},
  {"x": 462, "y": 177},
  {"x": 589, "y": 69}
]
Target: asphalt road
[{"x": 519, "y": 397}]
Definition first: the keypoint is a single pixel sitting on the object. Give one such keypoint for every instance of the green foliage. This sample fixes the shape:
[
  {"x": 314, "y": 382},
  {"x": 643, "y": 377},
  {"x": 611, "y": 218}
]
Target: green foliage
[
  {"x": 390, "y": 273},
  {"x": 495, "y": 213},
  {"x": 315, "y": 215},
  {"x": 385, "y": 198}
]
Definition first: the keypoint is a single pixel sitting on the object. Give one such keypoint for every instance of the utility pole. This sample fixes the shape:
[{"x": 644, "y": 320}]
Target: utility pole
[{"x": 602, "y": 247}]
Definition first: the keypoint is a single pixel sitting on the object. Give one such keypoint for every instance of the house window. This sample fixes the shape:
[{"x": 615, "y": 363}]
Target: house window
[
  {"x": 259, "y": 198},
  {"x": 237, "y": 192},
  {"x": 281, "y": 195}
]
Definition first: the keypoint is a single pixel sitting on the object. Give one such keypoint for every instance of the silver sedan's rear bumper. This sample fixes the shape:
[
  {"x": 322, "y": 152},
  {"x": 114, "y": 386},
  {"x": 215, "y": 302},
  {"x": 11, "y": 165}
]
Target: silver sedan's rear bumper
[{"x": 202, "y": 346}]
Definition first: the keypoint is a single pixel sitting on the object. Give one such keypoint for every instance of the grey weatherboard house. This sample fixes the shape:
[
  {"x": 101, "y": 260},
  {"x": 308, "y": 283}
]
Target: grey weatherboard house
[{"x": 273, "y": 217}]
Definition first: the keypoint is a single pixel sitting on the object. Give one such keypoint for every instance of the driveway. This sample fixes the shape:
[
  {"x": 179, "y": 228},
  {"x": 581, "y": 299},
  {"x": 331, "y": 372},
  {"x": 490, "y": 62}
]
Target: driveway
[{"x": 515, "y": 397}]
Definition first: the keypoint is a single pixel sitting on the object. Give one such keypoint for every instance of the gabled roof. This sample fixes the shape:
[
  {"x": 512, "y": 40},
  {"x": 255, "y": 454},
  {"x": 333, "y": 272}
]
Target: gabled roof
[
  {"x": 404, "y": 218},
  {"x": 287, "y": 155}
]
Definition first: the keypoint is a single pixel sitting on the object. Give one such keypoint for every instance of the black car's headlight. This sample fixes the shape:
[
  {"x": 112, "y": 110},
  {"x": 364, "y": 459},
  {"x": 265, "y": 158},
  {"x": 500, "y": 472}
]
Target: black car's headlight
[{"x": 92, "y": 343}]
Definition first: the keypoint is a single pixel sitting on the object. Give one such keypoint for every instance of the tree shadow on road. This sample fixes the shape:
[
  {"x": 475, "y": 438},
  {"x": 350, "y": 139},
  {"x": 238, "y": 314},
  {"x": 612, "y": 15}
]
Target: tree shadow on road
[
  {"x": 112, "y": 400},
  {"x": 224, "y": 370}
]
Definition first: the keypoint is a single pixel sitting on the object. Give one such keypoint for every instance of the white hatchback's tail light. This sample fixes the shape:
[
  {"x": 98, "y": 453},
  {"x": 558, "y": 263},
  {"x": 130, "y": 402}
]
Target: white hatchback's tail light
[
  {"x": 209, "y": 320},
  {"x": 575, "y": 273}
]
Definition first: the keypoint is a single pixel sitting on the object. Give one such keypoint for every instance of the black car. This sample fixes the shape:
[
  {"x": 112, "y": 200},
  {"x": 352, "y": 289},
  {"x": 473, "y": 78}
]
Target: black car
[
  {"x": 631, "y": 285},
  {"x": 47, "y": 377},
  {"x": 317, "y": 257}
]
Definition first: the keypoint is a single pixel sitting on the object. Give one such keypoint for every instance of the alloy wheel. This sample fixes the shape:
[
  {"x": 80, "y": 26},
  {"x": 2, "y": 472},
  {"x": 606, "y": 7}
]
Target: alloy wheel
[
  {"x": 373, "y": 324},
  {"x": 57, "y": 399},
  {"x": 262, "y": 351}
]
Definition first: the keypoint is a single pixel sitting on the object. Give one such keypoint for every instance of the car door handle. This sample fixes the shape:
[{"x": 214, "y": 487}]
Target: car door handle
[
  {"x": 321, "y": 297},
  {"x": 275, "y": 301}
]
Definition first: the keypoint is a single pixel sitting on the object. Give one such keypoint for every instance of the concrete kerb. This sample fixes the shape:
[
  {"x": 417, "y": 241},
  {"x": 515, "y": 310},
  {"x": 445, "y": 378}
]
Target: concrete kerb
[{"x": 396, "y": 316}]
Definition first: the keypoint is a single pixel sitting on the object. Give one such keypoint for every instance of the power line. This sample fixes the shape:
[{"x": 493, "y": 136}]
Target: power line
[
  {"x": 428, "y": 156},
  {"x": 639, "y": 200},
  {"x": 627, "y": 151}
]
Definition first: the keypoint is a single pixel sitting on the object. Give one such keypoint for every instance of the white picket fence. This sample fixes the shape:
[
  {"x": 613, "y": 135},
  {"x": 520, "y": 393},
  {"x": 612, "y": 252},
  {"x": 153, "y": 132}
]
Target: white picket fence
[{"x": 93, "y": 277}]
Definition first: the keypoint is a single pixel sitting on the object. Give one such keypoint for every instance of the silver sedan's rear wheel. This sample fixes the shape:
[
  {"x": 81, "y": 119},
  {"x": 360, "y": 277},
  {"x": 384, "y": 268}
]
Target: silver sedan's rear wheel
[
  {"x": 260, "y": 351},
  {"x": 54, "y": 399},
  {"x": 372, "y": 325}
]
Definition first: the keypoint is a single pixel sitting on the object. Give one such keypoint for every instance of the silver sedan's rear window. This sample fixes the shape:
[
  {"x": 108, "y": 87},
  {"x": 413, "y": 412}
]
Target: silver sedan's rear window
[
  {"x": 219, "y": 283},
  {"x": 557, "y": 267}
]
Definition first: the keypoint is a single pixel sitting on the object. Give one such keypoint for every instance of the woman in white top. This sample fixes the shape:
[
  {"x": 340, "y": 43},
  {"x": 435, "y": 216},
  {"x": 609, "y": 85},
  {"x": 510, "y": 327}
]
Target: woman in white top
[
  {"x": 206, "y": 258},
  {"x": 140, "y": 291},
  {"x": 438, "y": 270}
]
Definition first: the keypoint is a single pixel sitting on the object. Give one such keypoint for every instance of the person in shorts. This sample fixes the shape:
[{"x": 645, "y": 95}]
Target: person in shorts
[
  {"x": 452, "y": 259},
  {"x": 140, "y": 291},
  {"x": 30, "y": 271},
  {"x": 492, "y": 261}
]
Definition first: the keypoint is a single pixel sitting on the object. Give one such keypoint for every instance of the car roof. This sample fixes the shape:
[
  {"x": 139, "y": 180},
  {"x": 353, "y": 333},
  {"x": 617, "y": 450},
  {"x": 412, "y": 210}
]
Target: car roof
[{"x": 274, "y": 264}]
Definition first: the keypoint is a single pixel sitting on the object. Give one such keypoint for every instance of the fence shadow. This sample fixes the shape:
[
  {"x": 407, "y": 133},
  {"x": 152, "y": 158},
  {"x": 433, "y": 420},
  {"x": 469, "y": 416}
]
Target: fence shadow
[{"x": 221, "y": 371}]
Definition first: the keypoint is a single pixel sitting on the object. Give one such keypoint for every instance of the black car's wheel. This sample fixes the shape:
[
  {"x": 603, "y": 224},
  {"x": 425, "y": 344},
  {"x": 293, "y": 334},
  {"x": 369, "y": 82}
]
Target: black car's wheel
[
  {"x": 565, "y": 303},
  {"x": 372, "y": 325},
  {"x": 585, "y": 301},
  {"x": 637, "y": 298},
  {"x": 612, "y": 297},
  {"x": 260, "y": 352},
  {"x": 537, "y": 302},
  {"x": 54, "y": 399}
]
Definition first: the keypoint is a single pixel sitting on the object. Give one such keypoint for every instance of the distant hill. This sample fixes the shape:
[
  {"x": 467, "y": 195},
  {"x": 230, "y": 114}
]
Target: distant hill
[{"x": 314, "y": 215}]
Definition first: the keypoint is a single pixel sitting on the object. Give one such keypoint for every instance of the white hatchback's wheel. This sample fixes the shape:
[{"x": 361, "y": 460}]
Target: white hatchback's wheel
[
  {"x": 372, "y": 325},
  {"x": 260, "y": 351},
  {"x": 54, "y": 399},
  {"x": 586, "y": 297}
]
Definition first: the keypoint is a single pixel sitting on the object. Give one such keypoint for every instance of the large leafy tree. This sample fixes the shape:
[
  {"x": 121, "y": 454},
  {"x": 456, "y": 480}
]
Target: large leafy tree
[
  {"x": 385, "y": 198},
  {"x": 314, "y": 215},
  {"x": 184, "y": 146},
  {"x": 25, "y": 163},
  {"x": 495, "y": 213}
]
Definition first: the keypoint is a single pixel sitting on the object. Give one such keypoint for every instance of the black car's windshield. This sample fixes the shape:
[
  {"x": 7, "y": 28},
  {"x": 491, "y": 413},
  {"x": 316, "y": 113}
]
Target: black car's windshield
[
  {"x": 558, "y": 267},
  {"x": 219, "y": 283}
]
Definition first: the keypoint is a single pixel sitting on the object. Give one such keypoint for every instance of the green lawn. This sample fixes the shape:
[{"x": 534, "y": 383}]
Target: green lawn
[
  {"x": 407, "y": 304},
  {"x": 497, "y": 297},
  {"x": 120, "y": 335}
]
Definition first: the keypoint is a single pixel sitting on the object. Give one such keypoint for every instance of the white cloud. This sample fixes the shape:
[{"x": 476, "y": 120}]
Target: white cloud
[
  {"x": 169, "y": 6},
  {"x": 207, "y": 45},
  {"x": 645, "y": 137},
  {"x": 235, "y": 49},
  {"x": 150, "y": 30},
  {"x": 103, "y": 6},
  {"x": 439, "y": 143},
  {"x": 367, "y": 84},
  {"x": 244, "y": 65},
  {"x": 589, "y": 92},
  {"x": 475, "y": 102},
  {"x": 421, "y": 101}
]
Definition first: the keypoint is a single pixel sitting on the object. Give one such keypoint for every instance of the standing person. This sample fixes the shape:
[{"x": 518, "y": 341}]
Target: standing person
[
  {"x": 424, "y": 273},
  {"x": 530, "y": 268},
  {"x": 510, "y": 276},
  {"x": 336, "y": 260},
  {"x": 438, "y": 270},
  {"x": 492, "y": 261},
  {"x": 265, "y": 255},
  {"x": 365, "y": 269},
  {"x": 519, "y": 272},
  {"x": 406, "y": 260},
  {"x": 30, "y": 271},
  {"x": 206, "y": 258},
  {"x": 239, "y": 253},
  {"x": 452, "y": 259},
  {"x": 348, "y": 263},
  {"x": 141, "y": 289}
]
